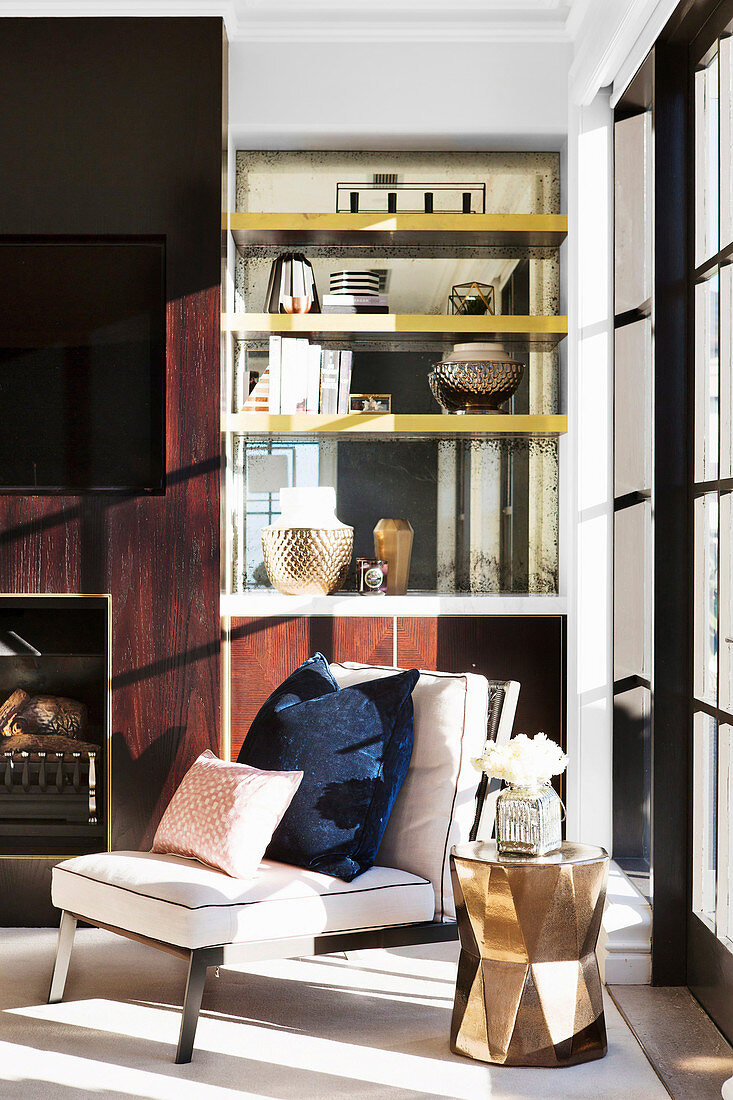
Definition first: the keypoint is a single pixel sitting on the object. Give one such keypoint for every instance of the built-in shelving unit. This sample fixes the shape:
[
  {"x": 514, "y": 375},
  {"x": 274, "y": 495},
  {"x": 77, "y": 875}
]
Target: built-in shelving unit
[
  {"x": 535, "y": 333},
  {"x": 456, "y": 231},
  {"x": 481, "y": 490},
  {"x": 529, "y": 237},
  {"x": 431, "y": 424}
]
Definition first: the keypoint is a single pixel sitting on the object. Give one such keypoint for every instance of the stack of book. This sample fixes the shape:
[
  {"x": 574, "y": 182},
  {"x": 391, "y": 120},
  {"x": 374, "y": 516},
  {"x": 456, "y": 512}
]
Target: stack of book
[
  {"x": 304, "y": 378},
  {"x": 355, "y": 292}
]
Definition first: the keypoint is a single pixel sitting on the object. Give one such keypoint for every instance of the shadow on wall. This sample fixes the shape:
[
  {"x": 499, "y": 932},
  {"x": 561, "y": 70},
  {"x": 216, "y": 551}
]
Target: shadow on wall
[
  {"x": 143, "y": 785},
  {"x": 530, "y": 649}
]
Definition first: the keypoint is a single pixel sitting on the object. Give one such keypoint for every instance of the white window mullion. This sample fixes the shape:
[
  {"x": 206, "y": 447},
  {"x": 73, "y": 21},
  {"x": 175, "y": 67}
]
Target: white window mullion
[{"x": 704, "y": 848}]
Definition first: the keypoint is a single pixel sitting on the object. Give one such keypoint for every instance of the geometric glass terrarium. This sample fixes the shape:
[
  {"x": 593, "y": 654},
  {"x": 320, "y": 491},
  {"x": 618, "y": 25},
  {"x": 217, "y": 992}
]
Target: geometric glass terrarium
[{"x": 475, "y": 299}]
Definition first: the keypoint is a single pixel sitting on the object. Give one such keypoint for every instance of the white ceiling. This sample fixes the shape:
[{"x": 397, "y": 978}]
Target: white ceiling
[
  {"x": 604, "y": 33},
  {"x": 410, "y": 20}
]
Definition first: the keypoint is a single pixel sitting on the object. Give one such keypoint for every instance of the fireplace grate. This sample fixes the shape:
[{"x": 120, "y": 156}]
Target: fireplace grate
[{"x": 58, "y": 787}]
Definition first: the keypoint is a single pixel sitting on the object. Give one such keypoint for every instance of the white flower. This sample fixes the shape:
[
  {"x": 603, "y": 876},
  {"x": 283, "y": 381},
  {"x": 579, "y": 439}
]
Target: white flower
[{"x": 523, "y": 760}]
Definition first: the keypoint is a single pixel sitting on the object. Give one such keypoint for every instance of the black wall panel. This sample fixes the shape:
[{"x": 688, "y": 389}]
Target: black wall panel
[{"x": 114, "y": 127}]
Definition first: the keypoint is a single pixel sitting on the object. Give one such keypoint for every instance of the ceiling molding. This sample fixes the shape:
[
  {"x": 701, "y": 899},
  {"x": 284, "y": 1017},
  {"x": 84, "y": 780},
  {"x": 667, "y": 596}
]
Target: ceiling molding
[
  {"x": 365, "y": 8},
  {"x": 605, "y": 40},
  {"x": 406, "y": 31},
  {"x": 333, "y": 21},
  {"x": 633, "y": 60},
  {"x": 575, "y": 17},
  {"x": 378, "y": 21},
  {"x": 408, "y": 21}
]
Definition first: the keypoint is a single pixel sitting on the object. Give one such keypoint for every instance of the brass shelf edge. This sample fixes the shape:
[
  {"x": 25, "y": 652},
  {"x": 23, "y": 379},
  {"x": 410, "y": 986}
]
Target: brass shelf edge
[
  {"x": 393, "y": 324},
  {"x": 364, "y": 230},
  {"x": 397, "y": 424},
  {"x": 540, "y": 229},
  {"x": 366, "y": 220}
]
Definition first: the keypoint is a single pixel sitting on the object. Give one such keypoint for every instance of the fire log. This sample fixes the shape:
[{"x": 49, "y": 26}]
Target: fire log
[
  {"x": 10, "y": 708},
  {"x": 44, "y": 714}
]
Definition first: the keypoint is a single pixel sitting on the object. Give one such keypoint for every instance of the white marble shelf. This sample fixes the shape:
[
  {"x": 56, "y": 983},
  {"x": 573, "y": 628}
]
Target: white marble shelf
[{"x": 417, "y": 603}]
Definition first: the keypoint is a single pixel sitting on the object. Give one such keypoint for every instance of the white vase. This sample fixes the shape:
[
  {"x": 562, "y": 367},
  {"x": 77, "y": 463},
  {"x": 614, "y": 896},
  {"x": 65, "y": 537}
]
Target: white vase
[
  {"x": 314, "y": 506},
  {"x": 477, "y": 351}
]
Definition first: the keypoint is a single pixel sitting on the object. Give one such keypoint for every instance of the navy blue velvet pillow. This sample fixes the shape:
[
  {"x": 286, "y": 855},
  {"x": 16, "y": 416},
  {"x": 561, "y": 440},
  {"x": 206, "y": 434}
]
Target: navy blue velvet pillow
[{"x": 353, "y": 746}]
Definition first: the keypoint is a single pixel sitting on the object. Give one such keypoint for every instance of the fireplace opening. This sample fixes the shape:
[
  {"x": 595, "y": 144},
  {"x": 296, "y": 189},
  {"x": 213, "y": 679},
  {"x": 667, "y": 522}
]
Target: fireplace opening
[{"x": 54, "y": 705}]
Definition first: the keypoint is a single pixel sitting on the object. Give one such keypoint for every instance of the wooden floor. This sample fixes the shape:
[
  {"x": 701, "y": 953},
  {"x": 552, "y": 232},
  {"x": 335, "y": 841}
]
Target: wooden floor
[{"x": 685, "y": 1048}]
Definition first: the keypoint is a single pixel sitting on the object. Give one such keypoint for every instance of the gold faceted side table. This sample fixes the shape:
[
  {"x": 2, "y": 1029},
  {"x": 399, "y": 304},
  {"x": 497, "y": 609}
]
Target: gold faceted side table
[{"x": 528, "y": 991}]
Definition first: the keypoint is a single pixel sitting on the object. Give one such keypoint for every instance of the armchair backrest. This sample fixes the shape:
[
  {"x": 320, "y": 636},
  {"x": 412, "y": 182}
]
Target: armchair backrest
[{"x": 436, "y": 807}]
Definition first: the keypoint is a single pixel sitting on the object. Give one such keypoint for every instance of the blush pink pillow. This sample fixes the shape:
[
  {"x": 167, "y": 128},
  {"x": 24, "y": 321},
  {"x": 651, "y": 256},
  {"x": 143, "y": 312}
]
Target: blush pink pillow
[{"x": 225, "y": 814}]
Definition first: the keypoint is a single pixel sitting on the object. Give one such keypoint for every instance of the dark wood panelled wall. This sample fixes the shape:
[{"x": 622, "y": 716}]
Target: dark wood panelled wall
[
  {"x": 529, "y": 649},
  {"x": 114, "y": 126}
]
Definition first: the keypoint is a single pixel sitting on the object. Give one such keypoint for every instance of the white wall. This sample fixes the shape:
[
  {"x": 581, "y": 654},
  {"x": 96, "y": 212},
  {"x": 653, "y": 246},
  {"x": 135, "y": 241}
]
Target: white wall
[
  {"x": 425, "y": 95},
  {"x": 589, "y": 509}
]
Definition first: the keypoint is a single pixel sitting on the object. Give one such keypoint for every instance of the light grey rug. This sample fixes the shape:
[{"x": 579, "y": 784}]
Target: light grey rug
[{"x": 376, "y": 1025}]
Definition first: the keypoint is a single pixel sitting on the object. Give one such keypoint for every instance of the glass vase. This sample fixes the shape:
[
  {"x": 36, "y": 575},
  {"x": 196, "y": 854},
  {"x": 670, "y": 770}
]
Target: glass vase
[{"x": 528, "y": 818}]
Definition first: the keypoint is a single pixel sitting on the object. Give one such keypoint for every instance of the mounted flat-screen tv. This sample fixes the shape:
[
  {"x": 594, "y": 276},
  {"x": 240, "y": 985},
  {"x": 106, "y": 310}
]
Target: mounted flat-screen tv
[{"x": 82, "y": 364}]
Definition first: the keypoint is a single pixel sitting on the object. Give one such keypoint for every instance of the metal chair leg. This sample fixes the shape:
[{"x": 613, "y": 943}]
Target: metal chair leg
[
  {"x": 191, "y": 1006},
  {"x": 63, "y": 956}
]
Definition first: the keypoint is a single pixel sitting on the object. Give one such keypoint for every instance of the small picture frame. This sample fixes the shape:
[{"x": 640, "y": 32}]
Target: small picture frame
[{"x": 370, "y": 402}]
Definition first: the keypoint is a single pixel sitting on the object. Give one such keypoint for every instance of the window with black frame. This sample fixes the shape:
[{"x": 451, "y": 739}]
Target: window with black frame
[{"x": 711, "y": 894}]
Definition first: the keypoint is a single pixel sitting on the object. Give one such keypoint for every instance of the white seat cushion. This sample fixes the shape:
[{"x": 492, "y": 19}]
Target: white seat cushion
[
  {"x": 180, "y": 901},
  {"x": 436, "y": 805}
]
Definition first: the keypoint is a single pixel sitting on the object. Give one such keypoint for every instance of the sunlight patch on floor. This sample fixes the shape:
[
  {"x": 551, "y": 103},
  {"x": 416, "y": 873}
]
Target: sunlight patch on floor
[
  {"x": 334, "y": 1058},
  {"x": 375, "y": 1026}
]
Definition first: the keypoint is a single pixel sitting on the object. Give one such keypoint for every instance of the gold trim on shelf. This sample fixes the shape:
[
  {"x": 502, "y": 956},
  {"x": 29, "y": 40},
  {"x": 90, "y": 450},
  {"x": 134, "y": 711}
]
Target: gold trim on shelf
[
  {"x": 546, "y": 330},
  {"x": 253, "y": 229},
  {"x": 438, "y": 424}
]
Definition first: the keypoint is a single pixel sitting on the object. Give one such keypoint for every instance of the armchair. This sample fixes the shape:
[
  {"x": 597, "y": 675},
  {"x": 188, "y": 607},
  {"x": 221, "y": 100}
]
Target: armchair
[{"x": 208, "y": 919}]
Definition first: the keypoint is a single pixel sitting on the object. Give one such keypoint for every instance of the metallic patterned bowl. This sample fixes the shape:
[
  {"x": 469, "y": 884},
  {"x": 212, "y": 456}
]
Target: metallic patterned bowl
[
  {"x": 307, "y": 560},
  {"x": 480, "y": 386}
]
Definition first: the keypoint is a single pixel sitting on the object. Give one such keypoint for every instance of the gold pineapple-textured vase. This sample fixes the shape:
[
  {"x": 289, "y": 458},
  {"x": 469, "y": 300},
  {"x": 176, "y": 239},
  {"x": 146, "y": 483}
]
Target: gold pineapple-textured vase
[
  {"x": 528, "y": 820},
  {"x": 393, "y": 544},
  {"x": 307, "y": 560},
  {"x": 307, "y": 550}
]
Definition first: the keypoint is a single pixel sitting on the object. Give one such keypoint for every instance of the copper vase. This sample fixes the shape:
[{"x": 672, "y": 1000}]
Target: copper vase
[
  {"x": 292, "y": 286},
  {"x": 393, "y": 544}
]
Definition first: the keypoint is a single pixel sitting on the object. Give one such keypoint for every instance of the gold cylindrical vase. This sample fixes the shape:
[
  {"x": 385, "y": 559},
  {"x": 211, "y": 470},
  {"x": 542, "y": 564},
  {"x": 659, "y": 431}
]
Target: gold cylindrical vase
[{"x": 393, "y": 544}]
